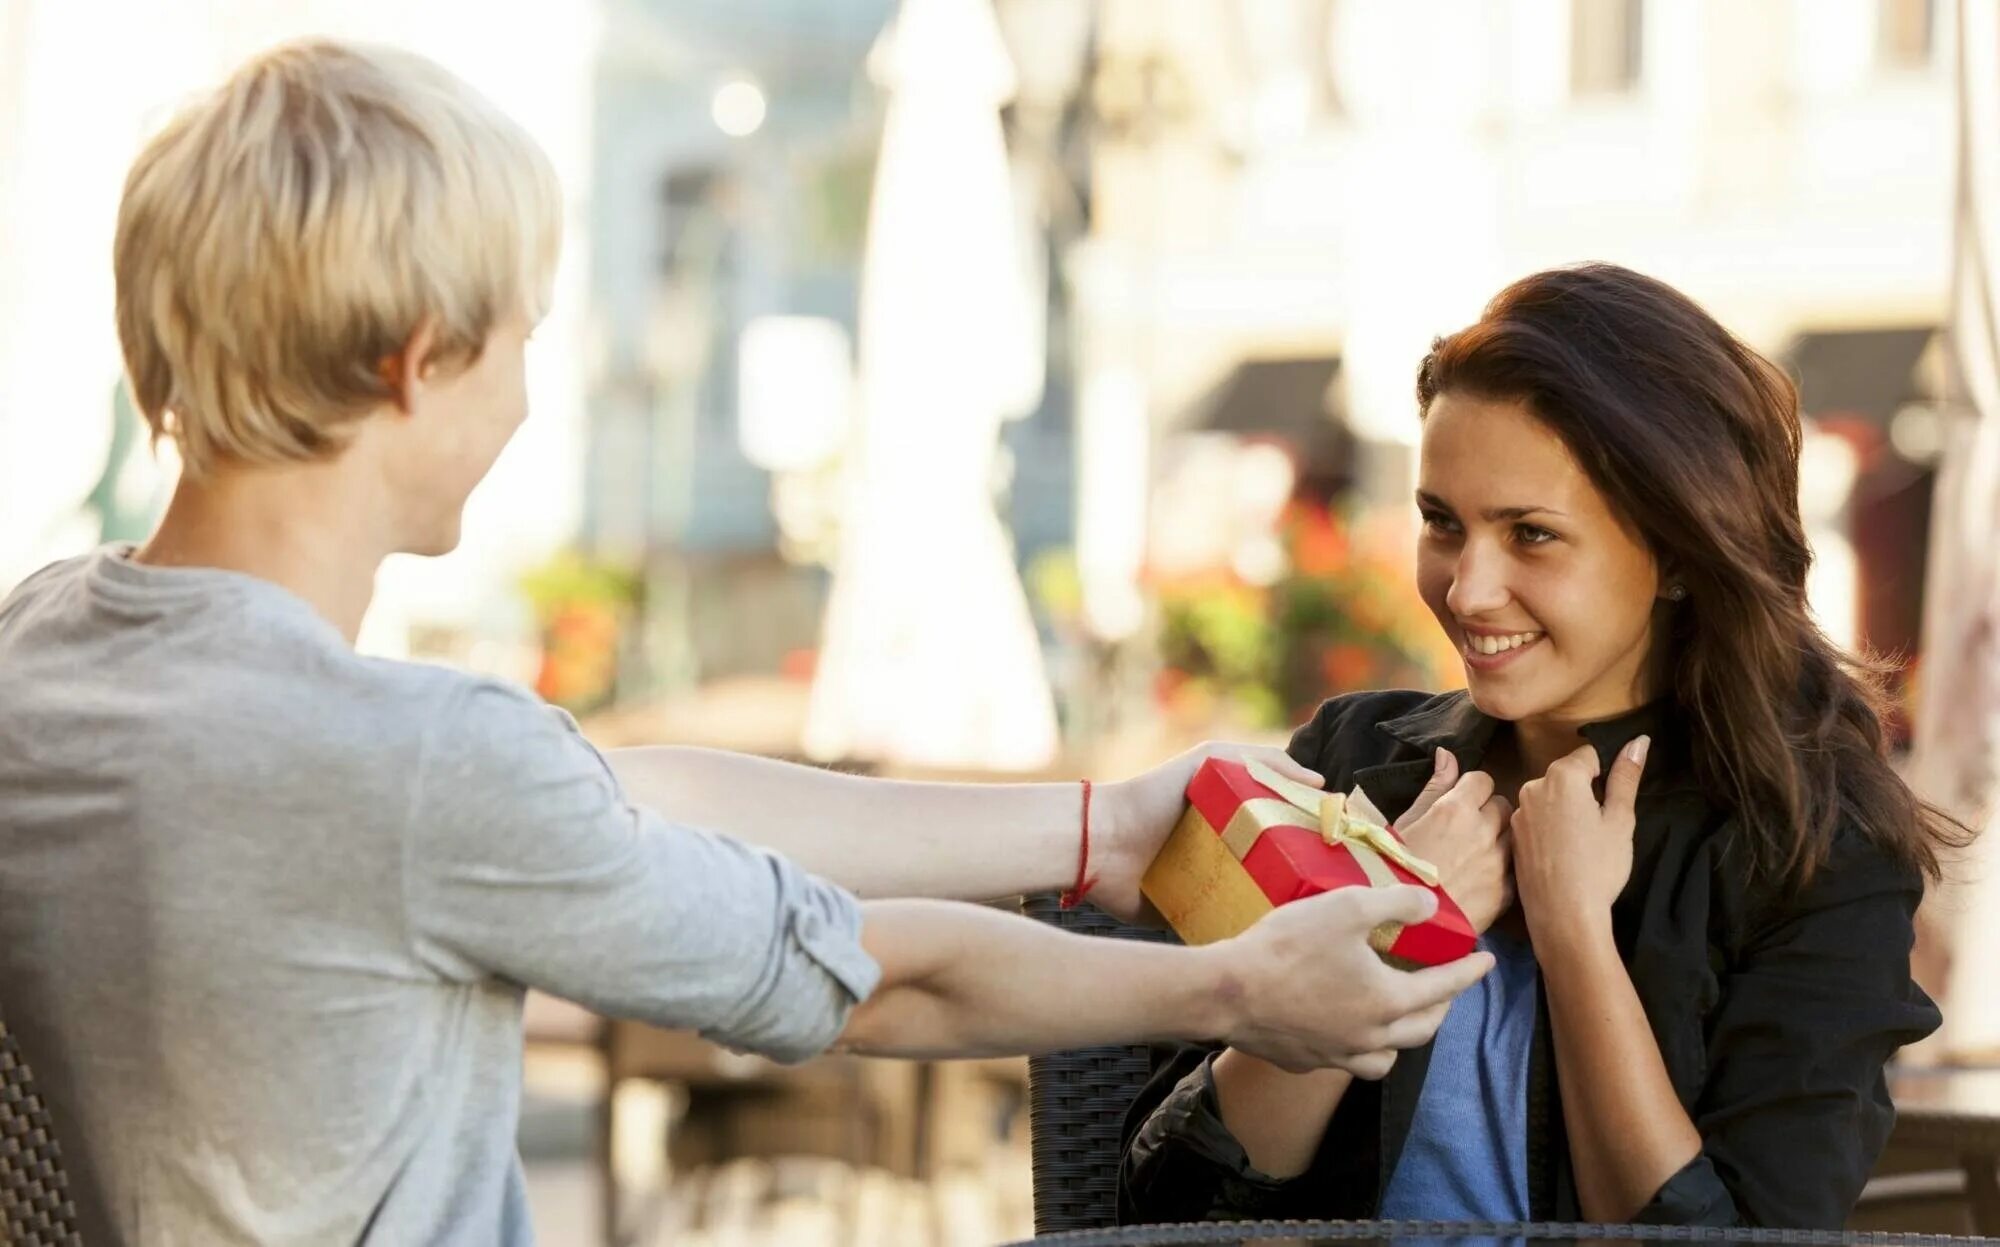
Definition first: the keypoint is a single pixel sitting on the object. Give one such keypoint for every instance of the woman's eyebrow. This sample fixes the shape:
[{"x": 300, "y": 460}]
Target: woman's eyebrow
[
  {"x": 1491, "y": 514},
  {"x": 1521, "y": 513}
]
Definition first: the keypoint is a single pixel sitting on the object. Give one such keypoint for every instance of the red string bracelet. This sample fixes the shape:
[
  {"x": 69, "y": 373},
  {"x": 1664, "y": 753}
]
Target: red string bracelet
[{"x": 1084, "y": 883}]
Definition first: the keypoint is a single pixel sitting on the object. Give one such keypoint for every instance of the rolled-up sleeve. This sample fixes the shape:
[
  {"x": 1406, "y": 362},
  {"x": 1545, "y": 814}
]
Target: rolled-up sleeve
[
  {"x": 524, "y": 861},
  {"x": 1183, "y": 1164},
  {"x": 1795, "y": 1110}
]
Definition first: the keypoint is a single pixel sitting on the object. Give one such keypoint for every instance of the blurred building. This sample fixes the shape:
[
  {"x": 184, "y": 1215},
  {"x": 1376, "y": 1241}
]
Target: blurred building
[
  {"x": 1339, "y": 180},
  {"x": 729, "y": 184},
  {"x": 735, "y": 146},
  {"x": 1257, "y": 215}
]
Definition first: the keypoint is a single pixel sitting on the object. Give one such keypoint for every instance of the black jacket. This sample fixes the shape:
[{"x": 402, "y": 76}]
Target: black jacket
[{"x": 1775, "y": 1016}]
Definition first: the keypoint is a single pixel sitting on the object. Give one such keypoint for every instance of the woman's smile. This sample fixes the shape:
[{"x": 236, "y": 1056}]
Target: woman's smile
[{"x": 1487, "y": 651}]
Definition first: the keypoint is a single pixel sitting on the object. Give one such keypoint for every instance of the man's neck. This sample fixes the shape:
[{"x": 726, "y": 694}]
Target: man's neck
[{"x": 303, "y": 528}]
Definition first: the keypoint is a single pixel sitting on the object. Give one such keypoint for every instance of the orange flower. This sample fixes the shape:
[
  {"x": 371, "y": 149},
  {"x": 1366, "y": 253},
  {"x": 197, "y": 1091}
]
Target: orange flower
[
  {"x": 1347, "y": 667},
  {"x": 1319, "y": 542},
  {"x": 1369, "y": 612}
]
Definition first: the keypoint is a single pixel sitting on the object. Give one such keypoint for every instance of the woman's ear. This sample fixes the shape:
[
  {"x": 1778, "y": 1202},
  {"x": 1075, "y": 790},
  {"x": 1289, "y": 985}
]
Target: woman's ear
[{"x": 1672, "y": 587}]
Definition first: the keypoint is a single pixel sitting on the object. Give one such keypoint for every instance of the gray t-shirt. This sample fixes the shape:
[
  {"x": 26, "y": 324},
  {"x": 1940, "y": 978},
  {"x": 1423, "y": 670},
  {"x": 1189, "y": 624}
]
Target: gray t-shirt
[{"x": 268, "y": 907}]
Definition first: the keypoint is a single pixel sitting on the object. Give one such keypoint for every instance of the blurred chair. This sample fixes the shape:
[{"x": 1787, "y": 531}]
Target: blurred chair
[
  {"x": 1941, "y": 1171},
  {"x": 1924, "y": 1200},
  {"x": 868, "y": 1115},
  {"x": 1077, "y": 1100},
  {"x": 35, "y": 1206}
]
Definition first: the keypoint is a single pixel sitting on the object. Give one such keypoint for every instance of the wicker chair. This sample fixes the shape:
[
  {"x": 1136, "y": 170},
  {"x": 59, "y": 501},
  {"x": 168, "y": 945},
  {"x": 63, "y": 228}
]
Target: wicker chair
[
  {"x": 1077, "y": 1100},
  {"x": 35, "y": 1207}
]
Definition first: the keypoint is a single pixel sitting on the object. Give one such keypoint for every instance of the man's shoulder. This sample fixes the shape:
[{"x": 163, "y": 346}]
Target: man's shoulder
[
  {"x": 479, "y": 725},
  {"x": 37, "y": 585},
  {"x": 441, "y": 735},
  {"x": 451, "y": 708},
  {"x": 50, "y": 574},
  {"x": 472, "y": 701}
]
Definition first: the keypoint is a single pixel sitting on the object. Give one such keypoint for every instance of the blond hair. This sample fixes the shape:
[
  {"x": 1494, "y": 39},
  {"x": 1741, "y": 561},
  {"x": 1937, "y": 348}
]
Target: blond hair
[{"x": 282, "y": 237}]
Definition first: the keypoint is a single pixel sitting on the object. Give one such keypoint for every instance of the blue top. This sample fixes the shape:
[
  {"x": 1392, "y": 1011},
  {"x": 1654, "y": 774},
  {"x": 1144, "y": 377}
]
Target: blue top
[{"x": 1466, "y": 1157}]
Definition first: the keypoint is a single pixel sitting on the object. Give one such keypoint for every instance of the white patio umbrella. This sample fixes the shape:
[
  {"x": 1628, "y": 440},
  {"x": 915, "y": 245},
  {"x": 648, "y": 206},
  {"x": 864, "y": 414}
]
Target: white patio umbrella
[
  {"x": 1958, "y": 726},
  {"x": 930, "y": 656},
  {"x": 71, "y": 114}
]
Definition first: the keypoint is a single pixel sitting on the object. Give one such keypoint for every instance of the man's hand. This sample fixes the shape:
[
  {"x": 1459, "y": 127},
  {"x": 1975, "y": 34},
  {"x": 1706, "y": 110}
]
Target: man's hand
[
  {"x": 1132, "y": 818},
  {"x": 1459, "y": 825},
  {"x": 1305, "y": 990}
]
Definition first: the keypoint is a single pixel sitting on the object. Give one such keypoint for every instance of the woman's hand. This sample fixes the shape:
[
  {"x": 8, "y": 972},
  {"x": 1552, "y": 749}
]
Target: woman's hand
[
  {"x": 1458, "y": 824},
  {"x": 1572, "y": 855}
]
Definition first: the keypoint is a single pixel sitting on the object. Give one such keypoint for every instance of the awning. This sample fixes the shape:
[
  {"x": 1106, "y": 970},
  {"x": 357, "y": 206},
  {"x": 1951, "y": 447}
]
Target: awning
[
  {"x": 1871, "y": 373},
  {"x": 1292, "y": 400}
]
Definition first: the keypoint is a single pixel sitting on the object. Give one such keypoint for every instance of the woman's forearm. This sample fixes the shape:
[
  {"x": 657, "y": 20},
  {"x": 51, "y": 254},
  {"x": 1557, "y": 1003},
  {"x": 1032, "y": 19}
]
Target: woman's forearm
[
  {"x": 1628, "y": 1133},
  {"x": 1279, "y": 1118},
  {"x": 876, "y": 837}
]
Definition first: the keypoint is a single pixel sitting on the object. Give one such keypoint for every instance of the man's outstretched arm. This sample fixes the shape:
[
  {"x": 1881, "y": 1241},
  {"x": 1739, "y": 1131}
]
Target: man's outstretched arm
[
  {"x": 891, "y": 838},
  {"x": 1301, "y": 988},
  {"x": 527, "y": 863}
]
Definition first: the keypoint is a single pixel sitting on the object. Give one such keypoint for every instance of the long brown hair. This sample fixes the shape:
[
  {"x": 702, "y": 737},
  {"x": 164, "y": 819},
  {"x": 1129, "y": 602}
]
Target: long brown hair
[{"x": 1694, "y": 438}]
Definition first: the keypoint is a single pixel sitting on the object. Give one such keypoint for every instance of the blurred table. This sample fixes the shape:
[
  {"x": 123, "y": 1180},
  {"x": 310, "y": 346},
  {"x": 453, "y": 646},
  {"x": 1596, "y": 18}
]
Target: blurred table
[
  {"x": 1457, "y": 1234},
  {"x": 1948, "y": 1123},
  {"x": 1950, "y": 1108},
  {"x": 908, "y": 1119}
]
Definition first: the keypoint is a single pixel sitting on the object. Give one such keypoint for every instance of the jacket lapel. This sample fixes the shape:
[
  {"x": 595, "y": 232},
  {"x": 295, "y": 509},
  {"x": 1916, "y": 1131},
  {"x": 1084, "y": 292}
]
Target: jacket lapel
[{"x": 1393, "y": 786}]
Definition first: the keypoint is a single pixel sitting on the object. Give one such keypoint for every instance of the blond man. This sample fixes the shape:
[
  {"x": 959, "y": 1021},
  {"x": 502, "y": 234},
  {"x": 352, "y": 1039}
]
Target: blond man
[{"x": 268, "y": 907}]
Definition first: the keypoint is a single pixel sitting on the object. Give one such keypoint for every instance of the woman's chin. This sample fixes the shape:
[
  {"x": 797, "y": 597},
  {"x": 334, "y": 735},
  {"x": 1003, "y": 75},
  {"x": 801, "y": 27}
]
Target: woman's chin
[{"x": 1507, "y": 704}]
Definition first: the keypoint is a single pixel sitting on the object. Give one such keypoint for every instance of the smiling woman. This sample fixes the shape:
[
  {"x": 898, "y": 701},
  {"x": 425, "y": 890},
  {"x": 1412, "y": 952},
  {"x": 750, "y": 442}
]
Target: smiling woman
[
  {"x": 1675, "y": 448},
  {"x": 1550, "y": 597},
  {"x": 1708, "y": 965}
]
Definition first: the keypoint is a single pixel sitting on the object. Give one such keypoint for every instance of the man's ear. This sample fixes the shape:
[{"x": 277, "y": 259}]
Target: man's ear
[{"x": 409, "y": 369}]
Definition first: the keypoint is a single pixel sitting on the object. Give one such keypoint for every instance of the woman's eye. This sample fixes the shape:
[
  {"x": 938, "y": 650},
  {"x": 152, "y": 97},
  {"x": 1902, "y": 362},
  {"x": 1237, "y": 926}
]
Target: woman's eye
[
  {"x": 1532, "y": 534},
  {"x": 1442, "y": 525}
]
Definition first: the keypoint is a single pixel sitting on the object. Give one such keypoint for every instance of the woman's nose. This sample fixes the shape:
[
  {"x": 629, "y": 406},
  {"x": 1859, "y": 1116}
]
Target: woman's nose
[{"x": 1478, "y": 583}]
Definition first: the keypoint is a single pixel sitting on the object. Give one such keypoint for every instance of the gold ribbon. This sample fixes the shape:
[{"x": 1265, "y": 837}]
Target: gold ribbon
[{"x": 1340, "y": 823}]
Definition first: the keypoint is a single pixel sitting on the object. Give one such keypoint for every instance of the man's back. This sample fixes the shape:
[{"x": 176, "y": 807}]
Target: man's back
[{"x": 264, "y": 906}]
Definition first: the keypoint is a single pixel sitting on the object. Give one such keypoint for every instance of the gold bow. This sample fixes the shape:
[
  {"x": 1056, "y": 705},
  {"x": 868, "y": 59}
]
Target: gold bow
[{"x": 1339, "y": 824}]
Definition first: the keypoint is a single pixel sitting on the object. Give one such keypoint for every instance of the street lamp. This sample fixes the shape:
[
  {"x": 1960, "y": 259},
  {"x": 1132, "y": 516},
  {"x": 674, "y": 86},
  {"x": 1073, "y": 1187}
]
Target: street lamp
[{"x": 739, "y": 107}]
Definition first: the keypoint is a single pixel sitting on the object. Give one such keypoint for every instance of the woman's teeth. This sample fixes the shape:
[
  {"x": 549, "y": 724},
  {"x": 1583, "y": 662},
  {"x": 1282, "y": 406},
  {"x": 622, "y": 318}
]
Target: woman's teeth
[{"x": 1500, "y": 644}]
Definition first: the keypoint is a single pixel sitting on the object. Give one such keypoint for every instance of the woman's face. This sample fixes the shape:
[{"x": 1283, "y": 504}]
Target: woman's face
[{"x": 1547, "y": 595}]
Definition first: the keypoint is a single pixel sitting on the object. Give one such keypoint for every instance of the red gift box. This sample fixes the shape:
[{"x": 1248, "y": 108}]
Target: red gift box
[{"x": 1252, "y": 840}]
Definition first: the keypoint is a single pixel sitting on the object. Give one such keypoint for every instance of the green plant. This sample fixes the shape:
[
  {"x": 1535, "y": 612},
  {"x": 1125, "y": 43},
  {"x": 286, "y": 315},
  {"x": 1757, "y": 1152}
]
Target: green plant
[
  {"x": 1343, "y": 616},
  {"x": 583, "y": 608}
]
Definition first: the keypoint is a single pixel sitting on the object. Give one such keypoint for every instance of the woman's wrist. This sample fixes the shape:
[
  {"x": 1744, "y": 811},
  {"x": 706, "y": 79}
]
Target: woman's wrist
[
  {"x": 1569, "y": 928},
  {"x": 1277, "y": 1117}
]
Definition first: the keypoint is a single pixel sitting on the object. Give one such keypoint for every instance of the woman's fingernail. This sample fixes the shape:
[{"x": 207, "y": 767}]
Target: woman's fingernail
[
  {"x": 1637, "y": 750},
  {"x": 1439, "y": 763}
]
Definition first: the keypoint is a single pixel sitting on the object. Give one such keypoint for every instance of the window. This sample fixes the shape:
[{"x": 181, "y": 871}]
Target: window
[
  {"x": 1606, "y": 40},
  {"x": 1905, "y": 33}
]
